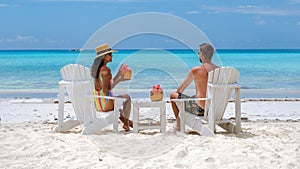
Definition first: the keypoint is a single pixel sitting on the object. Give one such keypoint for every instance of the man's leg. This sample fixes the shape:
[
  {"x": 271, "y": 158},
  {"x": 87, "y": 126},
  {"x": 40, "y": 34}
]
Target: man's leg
[{"x": 175, "y": 110}]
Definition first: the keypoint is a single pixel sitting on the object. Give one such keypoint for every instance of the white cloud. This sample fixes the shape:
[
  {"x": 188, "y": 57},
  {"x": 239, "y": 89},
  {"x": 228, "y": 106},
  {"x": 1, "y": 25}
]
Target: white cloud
[
  {"x": 20, "y": 38},
  {"x": 251, "y": 9},
  {"x": 47, "y": 40},
  {"x": 298, "y": 23},
  {"x": 247, "y": 6},
  {"x": 27, "y": 39},
  {"x": 260, "y": 22},
  {"x": 89, "y": 0},
  {"x": 192, "y": 12},
  {"x": 296, "y": 1},
  {"x": 3, "y": 5}
]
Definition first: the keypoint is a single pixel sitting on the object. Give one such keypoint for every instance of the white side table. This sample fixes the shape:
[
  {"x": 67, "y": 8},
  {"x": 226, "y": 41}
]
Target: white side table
[{"x": 146, "y": 102}]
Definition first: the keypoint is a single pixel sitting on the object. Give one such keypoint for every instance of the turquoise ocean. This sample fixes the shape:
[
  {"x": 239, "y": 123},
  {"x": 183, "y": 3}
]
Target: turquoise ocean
[{"x": 264, "y": 73}]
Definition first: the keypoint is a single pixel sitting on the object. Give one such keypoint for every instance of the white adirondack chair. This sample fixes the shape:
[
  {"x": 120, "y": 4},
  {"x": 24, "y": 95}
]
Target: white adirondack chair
[
  {"x": 221, "y": 83},
  {"x": 78, "y": 84}
]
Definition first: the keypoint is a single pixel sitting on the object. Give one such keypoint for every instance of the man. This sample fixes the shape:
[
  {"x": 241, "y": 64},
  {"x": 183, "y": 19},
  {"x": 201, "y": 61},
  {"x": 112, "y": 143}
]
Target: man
[{"x": 200, "y": 76}]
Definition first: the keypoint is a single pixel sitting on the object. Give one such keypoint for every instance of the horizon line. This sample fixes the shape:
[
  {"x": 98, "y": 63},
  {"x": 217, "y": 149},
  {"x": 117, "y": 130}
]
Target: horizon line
[{"x": 80, "y": 49}]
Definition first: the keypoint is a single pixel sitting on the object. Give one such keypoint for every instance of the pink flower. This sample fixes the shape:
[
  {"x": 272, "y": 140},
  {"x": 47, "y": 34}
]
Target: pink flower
[
  {"x": 124, "y": 68},
  {"x": 156, "y": 89}
]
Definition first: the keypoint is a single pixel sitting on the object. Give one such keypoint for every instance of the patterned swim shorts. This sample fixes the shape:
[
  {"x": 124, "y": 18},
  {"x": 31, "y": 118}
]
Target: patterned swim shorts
[{"x": 191, "y": 106}]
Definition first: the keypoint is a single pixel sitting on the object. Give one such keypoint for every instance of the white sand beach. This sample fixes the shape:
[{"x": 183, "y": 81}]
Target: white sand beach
[{"x": 269, "y": 139}]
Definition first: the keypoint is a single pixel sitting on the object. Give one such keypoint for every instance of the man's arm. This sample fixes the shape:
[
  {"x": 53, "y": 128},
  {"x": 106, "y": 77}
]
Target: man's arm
[{"x": 189, "y": 78}]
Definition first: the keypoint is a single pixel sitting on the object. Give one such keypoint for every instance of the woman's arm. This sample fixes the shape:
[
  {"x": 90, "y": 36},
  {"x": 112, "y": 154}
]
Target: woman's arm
[
  {"x": 118, "y": 78},
  {"x": 97, "y": 84},
  {"x": 116, "y": 81},
  {"x": 118, "y": 75},
  {"x": 106, "y": 77}
]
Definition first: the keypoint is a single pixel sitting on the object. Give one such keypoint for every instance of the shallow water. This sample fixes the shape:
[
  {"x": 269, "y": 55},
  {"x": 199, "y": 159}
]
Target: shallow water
[{"x": 263, "y": 73}]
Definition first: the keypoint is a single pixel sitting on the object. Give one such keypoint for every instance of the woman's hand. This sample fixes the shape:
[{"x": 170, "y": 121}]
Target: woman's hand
[
  {"x": 119, "y": 77},
  {"x": 123, "y": 79},
  {"x": 122, "y": 70}
]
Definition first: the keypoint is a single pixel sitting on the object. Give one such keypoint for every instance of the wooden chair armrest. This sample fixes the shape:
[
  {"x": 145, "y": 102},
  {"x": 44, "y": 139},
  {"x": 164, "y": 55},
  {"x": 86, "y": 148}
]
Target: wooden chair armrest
[
  {"x": 63, "y": 82},
  {"x": 189, "y": 99},
  {"x": 70, "y": 83},
  {"x": 109, "y": 97},
  {"x": 233, "y": 85}
]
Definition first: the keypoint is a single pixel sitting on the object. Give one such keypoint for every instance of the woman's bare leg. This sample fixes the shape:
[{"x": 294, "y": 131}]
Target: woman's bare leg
[{"x": 125, "y": 112}]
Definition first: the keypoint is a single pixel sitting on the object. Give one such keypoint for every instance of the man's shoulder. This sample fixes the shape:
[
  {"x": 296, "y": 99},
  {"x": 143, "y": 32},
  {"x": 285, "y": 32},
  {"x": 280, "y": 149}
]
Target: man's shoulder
[{"x": 198, "y": 68}]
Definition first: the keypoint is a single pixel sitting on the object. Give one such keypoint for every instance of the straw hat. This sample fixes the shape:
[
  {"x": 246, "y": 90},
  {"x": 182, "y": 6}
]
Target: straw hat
[{"x": 101, "y": 51}]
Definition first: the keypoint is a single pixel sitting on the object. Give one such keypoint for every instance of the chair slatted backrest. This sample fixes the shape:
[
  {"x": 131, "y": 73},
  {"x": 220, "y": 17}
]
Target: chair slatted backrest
[
  {"x": 81, "y": 86},
  {"x": 75, "y": 72},
  {"x": 220, "y": 86}
]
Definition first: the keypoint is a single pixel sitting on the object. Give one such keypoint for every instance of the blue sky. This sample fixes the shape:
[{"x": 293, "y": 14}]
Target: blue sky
[{"x": 65, "y": 24}]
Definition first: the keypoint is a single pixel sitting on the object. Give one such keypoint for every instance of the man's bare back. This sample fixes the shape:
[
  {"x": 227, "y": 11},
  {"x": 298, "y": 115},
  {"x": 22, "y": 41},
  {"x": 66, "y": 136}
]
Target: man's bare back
[{"x": 200, "y": 74}]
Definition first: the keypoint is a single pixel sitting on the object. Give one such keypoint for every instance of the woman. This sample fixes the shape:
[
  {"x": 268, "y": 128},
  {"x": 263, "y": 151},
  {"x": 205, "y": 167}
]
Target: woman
[{"x": 104, "y": 83}]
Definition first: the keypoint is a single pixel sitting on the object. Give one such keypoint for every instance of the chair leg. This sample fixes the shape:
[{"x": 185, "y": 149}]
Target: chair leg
[
  {"x": 67, "y": 125},
  {"x": 237, "y": 111},
  {"x": 229, "y": 127}
]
